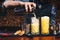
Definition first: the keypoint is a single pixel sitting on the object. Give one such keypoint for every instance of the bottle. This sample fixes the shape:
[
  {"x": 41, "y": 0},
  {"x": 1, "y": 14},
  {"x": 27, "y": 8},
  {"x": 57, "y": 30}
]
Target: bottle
[
  {"x": 27, "y": 31},
  {"x": 55, "y": 32},
  {"x": 58, "y": 29}
]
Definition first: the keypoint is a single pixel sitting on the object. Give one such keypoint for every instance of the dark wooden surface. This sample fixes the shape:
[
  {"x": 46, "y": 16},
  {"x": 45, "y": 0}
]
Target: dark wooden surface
[{"x": 33, "y": 38}]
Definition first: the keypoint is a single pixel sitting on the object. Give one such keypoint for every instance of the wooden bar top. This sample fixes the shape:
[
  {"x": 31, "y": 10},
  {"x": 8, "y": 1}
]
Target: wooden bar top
[{"x": 31, "y": 38}]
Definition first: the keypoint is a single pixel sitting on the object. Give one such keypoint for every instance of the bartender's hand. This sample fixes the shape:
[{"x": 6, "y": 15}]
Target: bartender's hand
[{"x": 28, "y": 5}]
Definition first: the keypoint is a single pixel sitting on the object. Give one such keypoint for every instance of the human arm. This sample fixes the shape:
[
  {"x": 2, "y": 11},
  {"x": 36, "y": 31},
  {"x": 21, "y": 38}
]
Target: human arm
[{"x": 28, "y": 5}]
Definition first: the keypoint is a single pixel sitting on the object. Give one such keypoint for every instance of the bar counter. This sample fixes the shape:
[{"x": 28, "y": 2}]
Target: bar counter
[{"x": 31, "y": 38}]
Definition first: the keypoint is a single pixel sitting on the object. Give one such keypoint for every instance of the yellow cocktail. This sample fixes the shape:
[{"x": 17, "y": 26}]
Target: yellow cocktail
[
  {"x": 45, "y": 25},
  {"x": 35, "y": 26}
]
